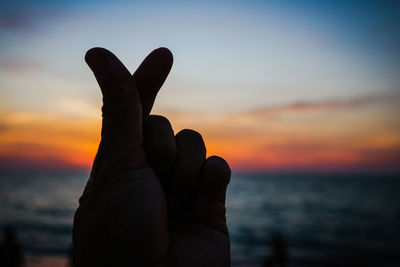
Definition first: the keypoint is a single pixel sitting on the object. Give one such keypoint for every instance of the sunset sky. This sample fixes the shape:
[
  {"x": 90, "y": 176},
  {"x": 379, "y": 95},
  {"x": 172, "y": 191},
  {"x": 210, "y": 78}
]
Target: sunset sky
[{"x": 271, "y": 85}]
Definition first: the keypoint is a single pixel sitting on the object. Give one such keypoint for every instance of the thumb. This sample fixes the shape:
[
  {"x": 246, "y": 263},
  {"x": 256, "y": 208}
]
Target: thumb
[{"x": 120, "y": 148}]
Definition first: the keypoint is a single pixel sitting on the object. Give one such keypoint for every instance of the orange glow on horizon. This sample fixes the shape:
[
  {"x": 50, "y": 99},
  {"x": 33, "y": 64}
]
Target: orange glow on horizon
[{"x": 247, "y": 144}]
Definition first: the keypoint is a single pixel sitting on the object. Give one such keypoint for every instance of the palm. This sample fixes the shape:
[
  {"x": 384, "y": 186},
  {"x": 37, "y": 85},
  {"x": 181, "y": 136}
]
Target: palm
[{"x": 153, "y": 198}]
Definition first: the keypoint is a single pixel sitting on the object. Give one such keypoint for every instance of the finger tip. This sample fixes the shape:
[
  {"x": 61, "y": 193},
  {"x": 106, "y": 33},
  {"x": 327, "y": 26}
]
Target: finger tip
[
  {"x": 95, "y": 56},
  {"x": 190, "y": 136},
  {"x": 157, "y": 122},
  {"x": 165, "y": 52},
  {"x": 219, "y": 165},
  {"x": 92, "y": 56},
  {"x": 165, "y": 55}
]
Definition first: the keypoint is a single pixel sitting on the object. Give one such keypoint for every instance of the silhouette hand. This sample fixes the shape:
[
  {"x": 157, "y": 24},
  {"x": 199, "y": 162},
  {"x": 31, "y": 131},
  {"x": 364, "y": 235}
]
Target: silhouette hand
[{"x": 152, "y": 199}]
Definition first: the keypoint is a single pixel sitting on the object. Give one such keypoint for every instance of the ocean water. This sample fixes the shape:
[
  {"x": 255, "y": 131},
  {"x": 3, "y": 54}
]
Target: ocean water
[{"x": 323, "y": 218}]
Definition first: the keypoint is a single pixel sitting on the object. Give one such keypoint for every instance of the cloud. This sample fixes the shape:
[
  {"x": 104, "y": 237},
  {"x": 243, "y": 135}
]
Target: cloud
[
  {"x": 24, "y": 15},
  {"x": 14, "y": 16},
  {"x": 3, "y": 127},
  {"x": 308, "y": 106},
  {"x": 294, "y": 107},
  {"x": 213, "y": 122},
  {"x": 19, "y": 66},
  {"x": 47, "y": 140}
]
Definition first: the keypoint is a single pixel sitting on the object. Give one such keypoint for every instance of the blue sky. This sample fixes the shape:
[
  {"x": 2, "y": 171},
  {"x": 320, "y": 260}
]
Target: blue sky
[{"x": 241, "y": 53}]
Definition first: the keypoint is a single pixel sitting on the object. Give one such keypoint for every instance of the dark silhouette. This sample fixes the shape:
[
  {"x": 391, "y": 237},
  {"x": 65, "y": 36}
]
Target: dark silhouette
[
  {"x": 11, "y": 253},
  {"x": 152, "y": 199},
  {"x": 278, "y": 252}
]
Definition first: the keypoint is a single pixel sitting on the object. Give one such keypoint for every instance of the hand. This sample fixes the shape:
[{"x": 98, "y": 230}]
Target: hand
[{"x": 152, "y": 199}]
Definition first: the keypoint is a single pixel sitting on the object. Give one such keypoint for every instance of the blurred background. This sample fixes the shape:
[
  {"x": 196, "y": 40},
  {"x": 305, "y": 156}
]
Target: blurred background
[{"x": 301, "y": 97}]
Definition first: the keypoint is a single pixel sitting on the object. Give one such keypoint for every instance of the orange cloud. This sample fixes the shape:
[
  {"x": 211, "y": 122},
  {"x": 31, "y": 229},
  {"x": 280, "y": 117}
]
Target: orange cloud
[
  {"x": 43, "y": 139},
  {"x": 329, "y": 138},
  {"x": 329, "y": 135},
  {"x": 324, "y": 105}
]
